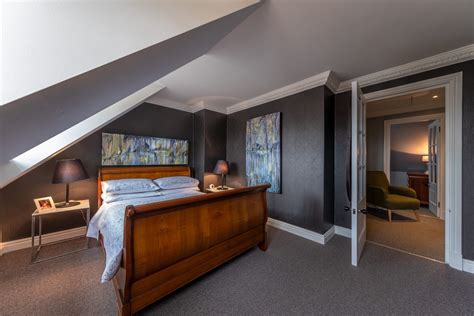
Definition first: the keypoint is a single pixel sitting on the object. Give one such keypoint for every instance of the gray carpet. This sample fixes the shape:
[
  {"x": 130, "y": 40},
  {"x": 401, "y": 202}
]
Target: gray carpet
[{"x": 295, "y": 276}]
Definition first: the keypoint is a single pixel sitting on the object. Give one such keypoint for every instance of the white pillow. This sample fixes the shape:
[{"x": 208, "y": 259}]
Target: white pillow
[
  {"x": 178, "y": 191},
  {"x": 179, "y": 182},
  {"x": 109, "y": 197},
  {"x": 123, "y": 186}
]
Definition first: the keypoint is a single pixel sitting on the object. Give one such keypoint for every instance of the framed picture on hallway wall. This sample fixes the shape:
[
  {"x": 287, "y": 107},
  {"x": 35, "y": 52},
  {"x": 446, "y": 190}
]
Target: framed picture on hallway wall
[{"x": 263, "y": 151}]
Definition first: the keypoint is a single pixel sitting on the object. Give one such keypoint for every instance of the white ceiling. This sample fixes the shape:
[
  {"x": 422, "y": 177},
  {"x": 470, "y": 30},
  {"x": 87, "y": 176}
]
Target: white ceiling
[
  {"x": 413, "y": 102},
  {"x": 46, "y": 42},
  {"x": 286, "y": 41}
]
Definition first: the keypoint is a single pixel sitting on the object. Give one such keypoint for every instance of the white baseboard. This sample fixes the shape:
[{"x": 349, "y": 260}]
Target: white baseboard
[
  {"x": 468, "y": 265},
  {"x": 305, "y": 233},
  {"x": 24, "y": 243},
  {"x": 342, "y": 231}
]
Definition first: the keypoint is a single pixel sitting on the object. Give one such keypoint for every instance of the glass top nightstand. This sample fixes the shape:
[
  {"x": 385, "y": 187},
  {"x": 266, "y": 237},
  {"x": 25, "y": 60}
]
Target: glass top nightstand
[{"x": 83, "y": 207}]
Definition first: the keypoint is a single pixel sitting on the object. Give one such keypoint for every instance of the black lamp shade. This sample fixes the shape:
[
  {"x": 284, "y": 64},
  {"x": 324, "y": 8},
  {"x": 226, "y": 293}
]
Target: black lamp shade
[
  {"x": 69, "y": 170},
  {"x": 222, "y": 167}
]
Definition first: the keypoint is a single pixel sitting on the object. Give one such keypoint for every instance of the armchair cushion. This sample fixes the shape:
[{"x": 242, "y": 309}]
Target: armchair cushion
[
  {"x": 405, "y": 191},
  {"x": 376, "y": 195},
  {"x": 400, "y": 202},
  {"x": 382, "y": 194}
]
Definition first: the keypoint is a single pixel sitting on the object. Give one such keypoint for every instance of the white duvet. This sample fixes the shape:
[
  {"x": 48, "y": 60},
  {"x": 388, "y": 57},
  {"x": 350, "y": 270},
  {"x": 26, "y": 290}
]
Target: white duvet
[{"x": 109, "y": 221}]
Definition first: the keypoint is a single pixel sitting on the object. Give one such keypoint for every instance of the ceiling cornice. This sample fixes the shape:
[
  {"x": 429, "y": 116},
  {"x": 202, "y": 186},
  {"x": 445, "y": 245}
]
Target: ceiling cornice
[
  {"x": 184, "y": 107},
  {"x": 170, "y": 104},
  {"x": 455, "y": 56},
  {"x": 329, "y": 79},
  {"x": 305, "y": 84}
]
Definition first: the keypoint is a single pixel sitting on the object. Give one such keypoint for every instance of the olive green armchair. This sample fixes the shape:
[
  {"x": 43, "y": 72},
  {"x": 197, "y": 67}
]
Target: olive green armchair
[{"x": 383, "y": 195}]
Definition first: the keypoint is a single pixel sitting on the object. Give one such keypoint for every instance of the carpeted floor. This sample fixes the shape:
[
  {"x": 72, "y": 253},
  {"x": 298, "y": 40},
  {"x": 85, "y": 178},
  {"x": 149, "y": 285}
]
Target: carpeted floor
[
  {"x": 425, "y": 238},
  {"x": 295, "y": 276}
]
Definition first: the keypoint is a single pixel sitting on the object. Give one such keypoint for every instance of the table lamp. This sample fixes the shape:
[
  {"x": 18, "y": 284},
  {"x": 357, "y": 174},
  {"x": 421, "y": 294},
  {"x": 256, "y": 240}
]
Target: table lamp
[
  {"x": 67, "y": 171},
  {"x": 222, "y": 168}
]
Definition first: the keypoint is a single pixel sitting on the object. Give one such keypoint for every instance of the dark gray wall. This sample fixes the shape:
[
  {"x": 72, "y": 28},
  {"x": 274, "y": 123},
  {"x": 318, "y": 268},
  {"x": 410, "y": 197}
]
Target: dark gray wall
[
  {"x": 35, "y": 118},
  {"x": 17, "y": 206},
  {"x": 199, "y": 147},
  {"x": 375, "y": 136},
  {"x": 342, "y": 158},
  {"x": 409, "y": 142},
  {"x": 343, "y": 129},
  {"x": 210, "y": 132},
  {"x": 306, "y": 136}
]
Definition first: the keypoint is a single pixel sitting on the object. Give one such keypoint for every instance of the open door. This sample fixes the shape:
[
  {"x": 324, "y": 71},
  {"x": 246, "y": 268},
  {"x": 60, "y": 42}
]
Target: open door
[{"x": 359, "y": 173}]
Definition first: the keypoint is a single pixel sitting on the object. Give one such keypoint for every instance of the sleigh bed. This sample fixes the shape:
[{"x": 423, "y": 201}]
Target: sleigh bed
[{"x": 170, "y": 243}]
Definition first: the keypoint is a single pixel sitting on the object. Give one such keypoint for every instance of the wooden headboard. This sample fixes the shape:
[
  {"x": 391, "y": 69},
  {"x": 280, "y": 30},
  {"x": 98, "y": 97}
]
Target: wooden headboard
[{"x": 149, "y": 172}]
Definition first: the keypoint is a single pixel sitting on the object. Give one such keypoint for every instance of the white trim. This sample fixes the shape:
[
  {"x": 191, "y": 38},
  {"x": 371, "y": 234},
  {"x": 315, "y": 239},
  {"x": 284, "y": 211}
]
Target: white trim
[
  {"x": 24, "y": 243},
  {"x": 35, "y": 156},
  {"x": 307, "y": 234},
  {"x": 185, "y": 107},
  {"x": 305, "y": 84},
  {"x": 453, "y": 155},
  {"x": 342, "y": 231},
  {"x": 468, "y": 265},
  {"x": 455, "y": 56}
]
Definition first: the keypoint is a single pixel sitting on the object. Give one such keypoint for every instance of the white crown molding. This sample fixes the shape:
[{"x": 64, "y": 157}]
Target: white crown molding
[
  {"x": 24, "y": 243},
  {"x": 455, "y": 56},
  {"x": 170, "y": 104},
  {"x": 307, "y": 234},
  {"x": 184, "y": 107},
  {"x": 305, "y": 84},
  {"x": 330, "y": 79}
]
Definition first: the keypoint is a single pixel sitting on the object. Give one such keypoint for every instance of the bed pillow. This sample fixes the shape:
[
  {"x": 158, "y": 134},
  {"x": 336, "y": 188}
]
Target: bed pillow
[
  {"x": 179, "y": 191},
  {"x": 109, "y": 197},
  {"x": 123, "y": 186},
  {"x": 179, "y": 182}
]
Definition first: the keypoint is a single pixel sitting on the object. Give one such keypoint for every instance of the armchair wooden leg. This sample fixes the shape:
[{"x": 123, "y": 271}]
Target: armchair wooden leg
[
  {"x": 416, "y": 215},
  {"x": 389, "y": 215}
]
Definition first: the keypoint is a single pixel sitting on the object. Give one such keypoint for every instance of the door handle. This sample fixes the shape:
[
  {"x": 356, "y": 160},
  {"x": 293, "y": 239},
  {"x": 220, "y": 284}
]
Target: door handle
[
  {"x": 347, "y": 208},
  {"x": 363, "y": 211}
]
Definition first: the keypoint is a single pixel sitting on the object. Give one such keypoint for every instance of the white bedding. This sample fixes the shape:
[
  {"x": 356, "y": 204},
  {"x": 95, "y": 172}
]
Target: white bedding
[{"x": 109, "y": 221}]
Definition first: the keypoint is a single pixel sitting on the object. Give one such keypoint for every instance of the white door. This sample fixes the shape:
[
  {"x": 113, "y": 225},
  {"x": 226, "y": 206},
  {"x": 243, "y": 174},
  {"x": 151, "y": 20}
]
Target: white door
[
  {"x": 434, "y": 131},
  {"x": 358, "y": 173}
]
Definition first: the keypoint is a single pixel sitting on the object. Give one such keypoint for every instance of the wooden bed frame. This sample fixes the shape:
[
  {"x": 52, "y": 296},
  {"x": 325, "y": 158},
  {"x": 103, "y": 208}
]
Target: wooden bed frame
[{"x": 169, "y": 244}]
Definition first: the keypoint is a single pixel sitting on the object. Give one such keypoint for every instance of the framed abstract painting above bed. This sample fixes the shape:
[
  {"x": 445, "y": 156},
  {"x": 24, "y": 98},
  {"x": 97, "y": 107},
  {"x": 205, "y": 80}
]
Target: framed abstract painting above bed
[
  {"x": 263, "y": 151},
  {"x": 130, "y": 150}
]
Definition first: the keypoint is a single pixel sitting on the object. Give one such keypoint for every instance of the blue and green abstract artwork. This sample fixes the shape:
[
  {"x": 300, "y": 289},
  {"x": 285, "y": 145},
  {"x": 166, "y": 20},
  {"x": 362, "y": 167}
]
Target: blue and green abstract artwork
[
  {"x": 263, "y": 151},
  {"x": 129, "y": 150}
]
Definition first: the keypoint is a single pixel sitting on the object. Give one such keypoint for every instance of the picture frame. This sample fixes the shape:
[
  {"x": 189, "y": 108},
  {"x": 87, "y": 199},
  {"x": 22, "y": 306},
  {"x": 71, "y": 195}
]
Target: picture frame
[{"x": 45, "y": 204}]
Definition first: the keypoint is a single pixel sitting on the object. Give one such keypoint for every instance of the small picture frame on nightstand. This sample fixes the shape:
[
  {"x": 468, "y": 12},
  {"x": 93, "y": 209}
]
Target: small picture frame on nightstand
[{"x": 45, "y": 204}]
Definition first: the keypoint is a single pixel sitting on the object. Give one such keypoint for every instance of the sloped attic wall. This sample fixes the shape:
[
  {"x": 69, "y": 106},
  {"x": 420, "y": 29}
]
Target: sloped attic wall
[
  {"x": 17, "y": 205},
  {"x": 33, "y": 119}
]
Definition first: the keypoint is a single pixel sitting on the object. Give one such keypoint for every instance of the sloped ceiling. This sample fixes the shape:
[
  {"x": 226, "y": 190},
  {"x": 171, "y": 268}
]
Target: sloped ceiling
[
  {"x": 40, "y": 125},
  {"x": 286, "y": 41},
  {"x": 46, "y": 42}
]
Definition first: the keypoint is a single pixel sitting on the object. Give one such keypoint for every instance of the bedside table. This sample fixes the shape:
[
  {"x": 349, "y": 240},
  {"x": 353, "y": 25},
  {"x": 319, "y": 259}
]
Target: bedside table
[
  {"x": 215, "y": 189},
  {"x": 85, "y": 210}
]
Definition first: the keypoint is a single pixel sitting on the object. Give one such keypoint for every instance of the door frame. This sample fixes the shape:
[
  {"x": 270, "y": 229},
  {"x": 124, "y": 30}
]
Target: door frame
[
  {"x": 414, "y": 119},
  {"x": 453, "y": 155}
]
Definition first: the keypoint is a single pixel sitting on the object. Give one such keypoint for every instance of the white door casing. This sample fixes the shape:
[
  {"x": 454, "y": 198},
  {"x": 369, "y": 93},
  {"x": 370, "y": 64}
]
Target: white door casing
[
  {"x": 358, "y": 173},
  {"x": 453, "y": 155}
]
